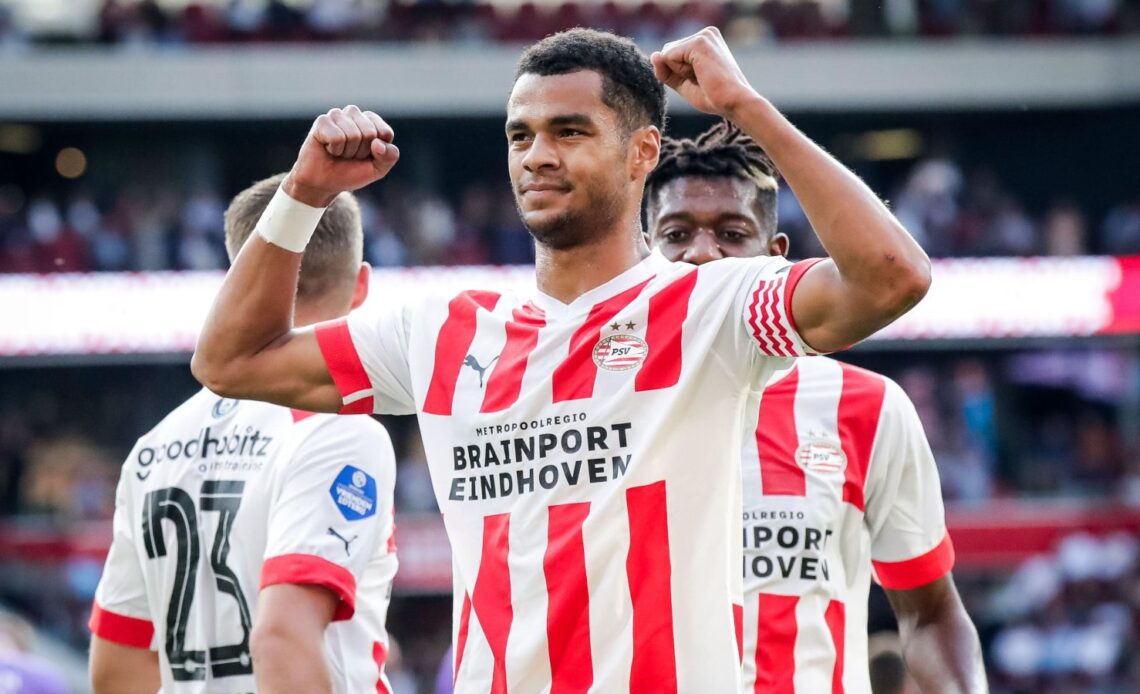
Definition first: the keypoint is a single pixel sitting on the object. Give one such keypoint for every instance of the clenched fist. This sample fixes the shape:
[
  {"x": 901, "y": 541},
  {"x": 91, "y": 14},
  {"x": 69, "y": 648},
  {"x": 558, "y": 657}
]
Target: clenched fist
[
  {"x": 346, "y": 149},
  {"x": 702, "y": 70}
]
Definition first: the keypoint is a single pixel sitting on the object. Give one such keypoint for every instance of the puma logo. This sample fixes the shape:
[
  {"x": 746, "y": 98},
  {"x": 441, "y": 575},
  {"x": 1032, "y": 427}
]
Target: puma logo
[
  {"x": 341, "y": 538},
  {"x": 474, "y": 364}
]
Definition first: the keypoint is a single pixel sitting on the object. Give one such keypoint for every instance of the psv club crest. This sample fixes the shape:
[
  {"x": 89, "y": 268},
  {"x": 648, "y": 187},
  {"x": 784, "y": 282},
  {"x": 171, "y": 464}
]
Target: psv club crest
[
  {"x": 821, "y": 456},
  {"x": 620, "y": 352}
]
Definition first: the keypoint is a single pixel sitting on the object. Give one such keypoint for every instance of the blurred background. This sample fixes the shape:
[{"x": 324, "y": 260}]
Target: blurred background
[{"x": 1005, "y": 135}]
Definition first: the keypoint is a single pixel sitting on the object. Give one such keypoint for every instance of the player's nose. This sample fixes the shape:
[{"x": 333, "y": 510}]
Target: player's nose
[
  {"x": 703, "y": 248},
  {"x": 541, "y": 154}
]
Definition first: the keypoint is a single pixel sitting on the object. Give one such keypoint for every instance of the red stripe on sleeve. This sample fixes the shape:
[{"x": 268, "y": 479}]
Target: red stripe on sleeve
[
  {"x": 505, "y": 382},
  {"x": 380, "y": 656},
  {"x": 860, "y": 407},
  {"x": 648, "y": 566},
  {"x": 568, "y": 606},
  {"x": 344, "y": 365},
  {"x": 573, "y": 379},
  {"x": 777, "y": 440},
  {"x": 120, "y": 629},
  {"x": 916, "y": 572},
  {"x": 738, "y": 622},
  {"x": 309, "y": 569},
  {"x": 454, "y": 340},
  {"x": 461, "y": 637},
  {"x": 836, "y": 618},
  {"x": 788, "y": 347},
  {"x": 761, "y": 316},
  {"x": 776, "y": 644},
  {"x": 491, "y": 598},
  {"x": 772, "y": 320},
  {"x": 668, "y": 310},
  {"x": 794, "y": 276}
]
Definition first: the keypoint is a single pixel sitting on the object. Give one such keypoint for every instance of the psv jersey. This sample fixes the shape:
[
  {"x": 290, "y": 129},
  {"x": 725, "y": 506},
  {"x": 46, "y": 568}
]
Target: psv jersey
[
  {"x": 838, "y": 478},
  {"x": 225, "y": 497},
  {"x": 584, "y": 456}
]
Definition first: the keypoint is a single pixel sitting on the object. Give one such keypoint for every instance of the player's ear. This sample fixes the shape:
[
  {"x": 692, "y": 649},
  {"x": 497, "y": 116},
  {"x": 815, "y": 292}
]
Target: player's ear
[
  {"x": 360, "y": 291},
  {"x": 778, "y": 244},
  {"x": 645, "y": 148}
]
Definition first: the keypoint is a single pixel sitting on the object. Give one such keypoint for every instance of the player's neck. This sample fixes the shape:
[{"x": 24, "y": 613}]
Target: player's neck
[{"x": 569, "y": 273}]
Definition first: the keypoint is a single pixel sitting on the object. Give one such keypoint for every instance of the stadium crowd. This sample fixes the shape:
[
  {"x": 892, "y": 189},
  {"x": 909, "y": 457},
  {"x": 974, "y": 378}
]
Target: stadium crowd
[
  {"x": 1068, "y": 621},
  {"x": 141, "y": 228},
  {"x": 151, "y": 22}
]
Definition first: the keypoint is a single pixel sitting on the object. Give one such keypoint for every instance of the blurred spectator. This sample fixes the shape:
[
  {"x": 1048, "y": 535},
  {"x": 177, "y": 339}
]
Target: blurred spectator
[
  {"x": 1065, "y": 231},
  {"x": 928, "y": 203},
  {"x": 1122, "y": 229},
  {"x": 1067, "y": 620},
  {"x": 1011, "y": 232},
  {"x": 21, "y": 671}
]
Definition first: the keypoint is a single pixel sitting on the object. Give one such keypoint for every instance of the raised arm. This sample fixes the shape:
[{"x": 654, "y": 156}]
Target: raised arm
[
  {"x": 248, "y": 347},
  {"x": 876, "y": 272}
]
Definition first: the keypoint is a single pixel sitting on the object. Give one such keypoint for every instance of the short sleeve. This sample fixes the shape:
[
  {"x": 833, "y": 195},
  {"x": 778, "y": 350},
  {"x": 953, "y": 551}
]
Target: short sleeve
[
  {"x": 332, "y": 512},
  {"x": 121, "y": 613},
  {"x": 367, "y": 356},
  {"x": 910, "y": 546},
  {"x": 763, "y": 305}
]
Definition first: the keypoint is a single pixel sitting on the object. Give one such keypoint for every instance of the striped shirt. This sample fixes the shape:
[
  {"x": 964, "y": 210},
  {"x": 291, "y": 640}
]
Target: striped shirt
[
  {"x": 583, "y": 457},
  {"x": 839, "y": 481}
]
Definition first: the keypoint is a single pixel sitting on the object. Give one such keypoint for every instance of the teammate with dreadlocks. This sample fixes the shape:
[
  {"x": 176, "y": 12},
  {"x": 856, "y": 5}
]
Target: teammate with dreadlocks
[{"x": 838, "y": 476}]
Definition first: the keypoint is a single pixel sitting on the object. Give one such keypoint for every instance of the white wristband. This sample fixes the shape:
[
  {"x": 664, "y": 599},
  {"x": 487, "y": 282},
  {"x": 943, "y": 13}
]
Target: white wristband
[{"x": 288, "y": 223}]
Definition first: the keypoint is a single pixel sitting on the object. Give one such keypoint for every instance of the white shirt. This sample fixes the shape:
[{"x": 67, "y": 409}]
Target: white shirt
[
  {"x": 584, "y": 456},
  {"x": 838, "y": 479},
  {"x": 225, "y": 497}
]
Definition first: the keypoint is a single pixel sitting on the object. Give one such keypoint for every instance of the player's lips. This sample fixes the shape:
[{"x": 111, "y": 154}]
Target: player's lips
[{"x": 544, "y": 188}]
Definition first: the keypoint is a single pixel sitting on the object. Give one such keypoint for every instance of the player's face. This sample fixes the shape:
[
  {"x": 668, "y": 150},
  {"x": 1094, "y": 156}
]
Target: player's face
[
  {"x": 699, "y": 219},
  {"x": 568, "y": 158}
]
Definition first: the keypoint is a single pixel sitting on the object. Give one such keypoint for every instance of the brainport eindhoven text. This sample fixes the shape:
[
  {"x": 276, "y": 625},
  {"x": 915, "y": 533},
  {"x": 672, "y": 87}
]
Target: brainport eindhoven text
[{"x": 520, "y": 465}]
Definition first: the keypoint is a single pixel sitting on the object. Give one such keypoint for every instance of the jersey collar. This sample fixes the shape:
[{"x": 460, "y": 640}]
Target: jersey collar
[{"x": 653, "y": 264}]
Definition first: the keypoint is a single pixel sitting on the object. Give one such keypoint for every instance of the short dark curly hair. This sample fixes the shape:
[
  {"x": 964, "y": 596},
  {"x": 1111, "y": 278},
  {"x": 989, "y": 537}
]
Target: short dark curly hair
[
  {"x": 629, "y": 86},
  {"x": 721, "y": 151}
]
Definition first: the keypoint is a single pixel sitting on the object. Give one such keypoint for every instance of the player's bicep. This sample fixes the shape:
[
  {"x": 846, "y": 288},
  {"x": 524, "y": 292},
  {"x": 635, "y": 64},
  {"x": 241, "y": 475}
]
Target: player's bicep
[
  {"x": 289, "y": 371},
  {"x": 832, "y": 314},
  {"x": 119, "y": 669},
  {"x": 296, "y": 610}
]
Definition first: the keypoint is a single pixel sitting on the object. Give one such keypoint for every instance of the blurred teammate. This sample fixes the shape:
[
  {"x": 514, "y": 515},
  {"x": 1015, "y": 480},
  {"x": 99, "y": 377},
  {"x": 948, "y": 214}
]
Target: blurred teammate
[
  {"x": 582, "y": 440},
  {"x": 838, "y": 475},
  {"x": 252, "y": 544}
]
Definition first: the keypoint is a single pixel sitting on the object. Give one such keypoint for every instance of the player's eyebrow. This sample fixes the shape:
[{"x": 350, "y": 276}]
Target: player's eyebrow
[
  {"x": 570, "y": 119},
  {"x": 559, "y": 121},
  {"x": 687, "y": 216}
]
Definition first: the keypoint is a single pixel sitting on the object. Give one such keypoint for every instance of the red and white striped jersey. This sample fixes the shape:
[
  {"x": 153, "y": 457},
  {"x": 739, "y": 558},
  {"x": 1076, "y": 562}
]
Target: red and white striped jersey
[
  {"x": 584, "y": 456},
  {"x": 225, "y": 497},
  {"x": 838, "y": 478}
]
